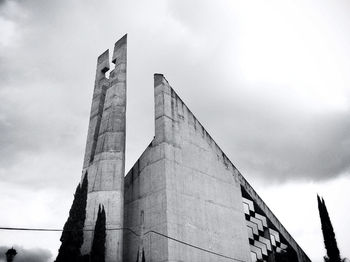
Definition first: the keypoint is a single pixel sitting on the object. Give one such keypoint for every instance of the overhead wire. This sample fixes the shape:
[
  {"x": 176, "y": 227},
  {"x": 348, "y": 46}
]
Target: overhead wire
[
  {"x": 124, "y": 228},
  {"x": 193, "y": 246}
]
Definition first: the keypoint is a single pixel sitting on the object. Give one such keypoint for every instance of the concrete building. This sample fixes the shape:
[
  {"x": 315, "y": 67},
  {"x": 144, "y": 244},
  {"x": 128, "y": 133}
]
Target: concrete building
[{"x": 183, "y": 200}]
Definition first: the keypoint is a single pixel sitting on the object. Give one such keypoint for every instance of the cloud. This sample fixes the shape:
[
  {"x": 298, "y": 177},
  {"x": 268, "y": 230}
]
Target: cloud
[
  {"x": 280, "y": 143},
  {"x": 272, "y": 93},
  {"x": 280, "y": 122},
  {"x": 39, "y": 115},
  {"x": 33, "y": 208},
  {"x": 269, "y": 81},
  {"x": 27, "y": 255}
]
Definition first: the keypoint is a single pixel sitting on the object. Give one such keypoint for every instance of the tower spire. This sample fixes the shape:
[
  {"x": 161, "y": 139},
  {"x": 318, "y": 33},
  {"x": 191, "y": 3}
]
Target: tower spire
[{"x": 105, "y": 151}]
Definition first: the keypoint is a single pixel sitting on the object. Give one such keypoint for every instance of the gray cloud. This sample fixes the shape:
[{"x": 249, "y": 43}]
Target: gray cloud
[
  {"x": 47, "y": 79},
  {"x": 280, "y": 145},
  {"x": 27, "y": 255},
  {"x": 269, "y": 130},
  {"x": 275, "y": 142},
  {"x": 266, "y": 80}
]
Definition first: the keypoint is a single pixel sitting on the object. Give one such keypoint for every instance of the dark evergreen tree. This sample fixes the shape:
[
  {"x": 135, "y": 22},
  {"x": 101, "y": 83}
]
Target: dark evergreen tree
[
  {"x": 98, "y": 243},
  {"x": 72, "y": 236},
  {"x": 330, "y": 241},
  {"x": 10, "y": 254},
  {"x": 84, "y": 258},
  {"x": 143, "y": 256}
]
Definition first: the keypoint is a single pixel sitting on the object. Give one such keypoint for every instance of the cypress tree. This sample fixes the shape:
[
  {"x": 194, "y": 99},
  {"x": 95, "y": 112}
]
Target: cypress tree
[
  {"x": 98, "y": 243},
  {"x": 143, "y": 256},
  {"x": 330, "y": 241},
  {"x": 72, "y": 236},
  {"x": 10, "y": 254}
]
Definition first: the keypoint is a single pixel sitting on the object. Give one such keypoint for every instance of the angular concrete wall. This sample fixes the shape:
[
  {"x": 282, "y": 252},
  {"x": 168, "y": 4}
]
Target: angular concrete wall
[
  {"x": 204, "y": 204},
  {"x": 145, "y": 192},
  {"x": 104, "y": 161},
  {"x": 184, "y": 190},
  {"x": 189, "y": 190},
  {"x": 202, "y": 181}
]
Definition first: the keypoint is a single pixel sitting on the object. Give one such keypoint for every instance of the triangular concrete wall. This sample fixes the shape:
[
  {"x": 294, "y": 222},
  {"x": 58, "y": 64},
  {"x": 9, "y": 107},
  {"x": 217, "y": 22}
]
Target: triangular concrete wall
[{"x": 185, "y": 189}]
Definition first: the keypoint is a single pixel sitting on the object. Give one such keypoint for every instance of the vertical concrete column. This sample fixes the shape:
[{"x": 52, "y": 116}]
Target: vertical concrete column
[
  {"x": 163, "y": 110},
  {"x": 106, "y": 163},
  {"x": 101, "y": 84}
]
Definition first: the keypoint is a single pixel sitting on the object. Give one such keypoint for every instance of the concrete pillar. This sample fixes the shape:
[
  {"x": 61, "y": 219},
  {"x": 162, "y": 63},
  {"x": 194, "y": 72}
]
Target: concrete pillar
[
  {"x": 203, "y": 197},
  {"x": 105, "y": 153},
  {"x": 163, "y": 110},
  {"x": 101, "y": 84}
]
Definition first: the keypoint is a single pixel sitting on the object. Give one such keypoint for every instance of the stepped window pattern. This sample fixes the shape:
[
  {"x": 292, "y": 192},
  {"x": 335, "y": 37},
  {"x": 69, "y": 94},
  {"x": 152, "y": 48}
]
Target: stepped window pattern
[{"x": 264, "y": 240}]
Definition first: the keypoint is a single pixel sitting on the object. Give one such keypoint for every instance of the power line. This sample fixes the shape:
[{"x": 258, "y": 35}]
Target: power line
[
  {"x": 60, "y": 230},
  {"x": 31, "y": 229},
  {"x": 197, "y": 247},
  {"x": 123, "y": 228}
]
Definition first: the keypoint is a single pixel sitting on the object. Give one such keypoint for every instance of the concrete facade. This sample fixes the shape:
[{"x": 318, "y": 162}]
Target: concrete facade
[
  {"x": 104, "y": 161},
  {"x": 183, "y": 200}
]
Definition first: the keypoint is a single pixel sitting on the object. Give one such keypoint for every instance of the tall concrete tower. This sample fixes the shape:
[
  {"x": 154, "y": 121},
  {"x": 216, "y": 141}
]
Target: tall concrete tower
[
  {"x": 184, "y": 200},
  {"x": 104, "y": 160}
]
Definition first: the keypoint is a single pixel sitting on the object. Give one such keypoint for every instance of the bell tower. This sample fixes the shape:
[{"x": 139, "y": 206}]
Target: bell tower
[{"x": 104, "y": 161}]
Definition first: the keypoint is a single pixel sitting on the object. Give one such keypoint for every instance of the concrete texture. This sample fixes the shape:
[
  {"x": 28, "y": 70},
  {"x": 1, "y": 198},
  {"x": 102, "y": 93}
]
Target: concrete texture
[
  {"x": 189, "y": 190},
  {"x": 183, "y": 187},
  {"x": 184, "y": 190},
  {"x": 145, "y": 191},
  {"x": 204, "y": 206},
  {"x": 104, "y": 160}
]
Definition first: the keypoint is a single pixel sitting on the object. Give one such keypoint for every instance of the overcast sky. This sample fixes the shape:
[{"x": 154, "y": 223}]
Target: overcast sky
[{"x": 268, "y": 79}]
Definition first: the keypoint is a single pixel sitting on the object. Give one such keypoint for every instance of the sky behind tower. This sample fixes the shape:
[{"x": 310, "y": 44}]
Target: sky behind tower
[{"x": 269, "y": 81}]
